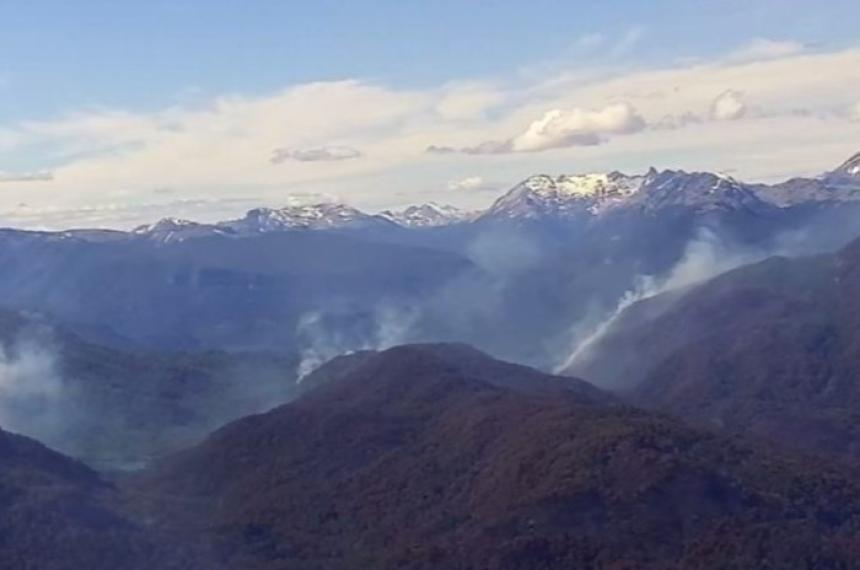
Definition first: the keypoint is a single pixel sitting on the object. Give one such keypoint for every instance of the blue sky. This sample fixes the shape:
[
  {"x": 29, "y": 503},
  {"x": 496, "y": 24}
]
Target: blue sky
[
  {"x": 64, "y": 54},
  {"x": 92, "y": 93}
]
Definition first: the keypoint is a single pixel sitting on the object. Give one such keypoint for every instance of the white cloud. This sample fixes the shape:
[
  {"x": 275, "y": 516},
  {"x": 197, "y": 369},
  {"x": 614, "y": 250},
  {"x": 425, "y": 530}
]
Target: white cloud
[
  {"x": 561, "y": 128},
  {"x": 578, "y": 127},
  {"x": 728, "y": 106},
  {"x": 854, "y": 112},
  {"x": 762, "y": 49},
  {"x": 320, "y": 154},
  {"x": 468, "y": 183},
  {"x": 45, "y": 176}
]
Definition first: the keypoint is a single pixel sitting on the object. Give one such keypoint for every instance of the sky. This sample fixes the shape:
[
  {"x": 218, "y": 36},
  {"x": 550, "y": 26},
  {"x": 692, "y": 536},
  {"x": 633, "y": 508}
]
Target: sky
[{"x": 114, "y": 114}]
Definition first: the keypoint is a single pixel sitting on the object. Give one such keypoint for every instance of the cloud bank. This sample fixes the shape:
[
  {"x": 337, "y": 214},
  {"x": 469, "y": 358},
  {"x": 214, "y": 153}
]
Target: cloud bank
[{"x": 743, "y": 109}]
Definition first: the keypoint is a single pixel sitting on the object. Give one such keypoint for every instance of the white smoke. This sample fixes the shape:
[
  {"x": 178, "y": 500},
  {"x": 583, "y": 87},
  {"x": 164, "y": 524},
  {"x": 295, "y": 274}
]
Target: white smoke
[
  {"x": 31, "y": 390},
  {"x": 503, "y": 254},
  {"x": 323, "y": 339},
  {"x": 704, "y": 258}
]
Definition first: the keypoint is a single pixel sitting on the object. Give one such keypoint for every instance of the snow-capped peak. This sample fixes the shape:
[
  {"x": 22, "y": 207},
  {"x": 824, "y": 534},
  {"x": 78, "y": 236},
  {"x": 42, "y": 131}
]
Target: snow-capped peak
[
  {"x": 587, "y": 185},
  {"x": 165, "y": 224},
  {"x": 426, "y": 215},
  {"x": 301, "y": 216},
  {"x": 565, "y": 195},
  {"x": 172, "y": 230},
  {"x": 850, "y": 167}
]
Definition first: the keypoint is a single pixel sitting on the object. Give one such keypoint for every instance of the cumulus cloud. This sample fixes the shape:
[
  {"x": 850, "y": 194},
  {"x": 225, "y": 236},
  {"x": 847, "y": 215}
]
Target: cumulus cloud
[
  {"x": 468, "y": 183},
  {"x": 320, "y": 154},
  {"x": 560, "y": 128},
  {"x": 728, "y": 106},
  {"x": 26, "y": 177},
  {"x": 762, "y": 49}
]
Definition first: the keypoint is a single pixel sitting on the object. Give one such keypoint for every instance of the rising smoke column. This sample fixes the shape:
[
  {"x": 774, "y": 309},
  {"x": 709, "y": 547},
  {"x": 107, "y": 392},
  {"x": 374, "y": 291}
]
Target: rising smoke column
[{"x": 705, "y": 257}]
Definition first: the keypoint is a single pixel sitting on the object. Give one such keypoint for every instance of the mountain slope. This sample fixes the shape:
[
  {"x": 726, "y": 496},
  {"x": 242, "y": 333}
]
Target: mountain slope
[
  {"x": 438, "y": 457},
  {"x": 850, "y": 167},
  {"x": 216, "y": 292},
  {"x": 771, "y": 350},
  {"x": 841, "y": 185},
  {"x": 56, "y": 514}
]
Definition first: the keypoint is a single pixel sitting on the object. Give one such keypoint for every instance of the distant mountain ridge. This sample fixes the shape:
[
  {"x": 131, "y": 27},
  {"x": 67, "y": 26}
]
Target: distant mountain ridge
[
  {"x": 542, "y": 196},
  {"x": 511, "y": 280},
  {"x": 594, "y": 195},
  {"x": 427, "y": 215},
  {"x": 266, "y": 220}
]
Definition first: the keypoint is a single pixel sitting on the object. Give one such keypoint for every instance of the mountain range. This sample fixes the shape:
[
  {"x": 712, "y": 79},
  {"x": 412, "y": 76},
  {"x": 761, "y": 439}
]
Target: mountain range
[
  {"x": 706, "y": 416},
  {"x": 538, "y": 196},
  {"x": 313, "y": 281}
]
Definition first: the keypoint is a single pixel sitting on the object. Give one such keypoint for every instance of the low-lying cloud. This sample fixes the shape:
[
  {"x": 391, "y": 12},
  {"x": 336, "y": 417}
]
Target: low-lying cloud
[
  {"x": 320, "y": 154},
  {"x": 6, "y": 177}
]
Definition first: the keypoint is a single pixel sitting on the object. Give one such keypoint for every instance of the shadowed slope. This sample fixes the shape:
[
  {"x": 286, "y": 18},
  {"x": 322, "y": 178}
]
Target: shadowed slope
[
  {"x": 439, "y": 457},
  {"x": 56, "y": 514}
]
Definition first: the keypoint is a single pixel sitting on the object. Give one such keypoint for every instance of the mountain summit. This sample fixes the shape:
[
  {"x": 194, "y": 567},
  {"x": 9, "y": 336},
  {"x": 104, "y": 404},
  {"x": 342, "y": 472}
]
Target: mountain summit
[
  {"x": 565, "y": 195},
  {"x": 598, "y": 194},
  {"x": 849, "y": 169},
  {"x": 426, "y": 215},
  {"x": 308, "y": 216}
]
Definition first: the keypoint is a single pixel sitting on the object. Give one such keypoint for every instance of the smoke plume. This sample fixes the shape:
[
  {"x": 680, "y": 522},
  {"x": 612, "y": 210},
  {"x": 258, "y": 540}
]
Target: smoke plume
[
  {"x": 31, "y": 390},
  {"x": 325, "y": 335},
  {"x": 706, "y": 256}
]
